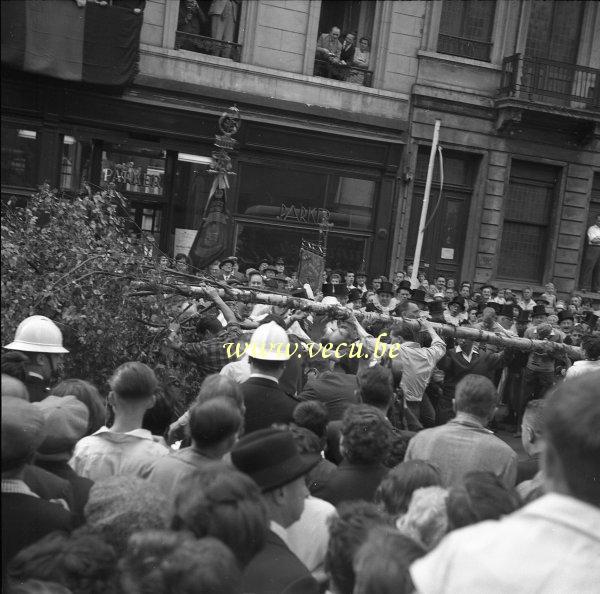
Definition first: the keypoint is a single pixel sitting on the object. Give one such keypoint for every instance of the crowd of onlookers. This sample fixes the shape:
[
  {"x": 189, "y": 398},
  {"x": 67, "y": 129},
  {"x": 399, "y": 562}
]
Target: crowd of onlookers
[{"x": 297, "y": 471}]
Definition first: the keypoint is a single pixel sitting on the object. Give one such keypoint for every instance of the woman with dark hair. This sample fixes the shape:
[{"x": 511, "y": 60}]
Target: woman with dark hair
[
  {"x": 221, "y": 502},
  {"x": 365, "y": 443},
  {"x": 480, "y": 496},
  {"x": 161, "y": 561},
  {"x": 362, "y": 55},
  {"x": 394, "y": 493},
  {"x": 90, "y": 396}
]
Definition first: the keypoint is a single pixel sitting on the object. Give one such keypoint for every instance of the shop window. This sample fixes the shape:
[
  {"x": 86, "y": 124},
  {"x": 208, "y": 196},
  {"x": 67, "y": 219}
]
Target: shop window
[
  {"x": 20, "y": 157},
  {"x": 527, "y": 218},
  {"x": 287, "y": 194},
  {"x": 466, "y": 28},
  {"x": 209, "y": 28},
  {"x": 75, "y": 163},
  {"x": 344, "y": 44},
  {"x": 137, "y": 172}
]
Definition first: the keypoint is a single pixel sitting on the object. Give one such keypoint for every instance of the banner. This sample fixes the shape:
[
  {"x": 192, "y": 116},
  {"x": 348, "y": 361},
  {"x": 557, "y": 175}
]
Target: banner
[
  {"x": 312, "y": 265},
  {"x": 93, "y": 44}
]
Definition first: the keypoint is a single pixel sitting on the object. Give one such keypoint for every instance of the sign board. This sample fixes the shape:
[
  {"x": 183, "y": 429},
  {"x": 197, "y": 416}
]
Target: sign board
[
  {"x": 184, "y": 238},
  {"x": 447, "y": 254},
  {"x": 311, "y": 269}
]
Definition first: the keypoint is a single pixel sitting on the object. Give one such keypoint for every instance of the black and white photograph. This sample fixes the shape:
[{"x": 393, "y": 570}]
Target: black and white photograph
[{"x": 300, "y": 296}]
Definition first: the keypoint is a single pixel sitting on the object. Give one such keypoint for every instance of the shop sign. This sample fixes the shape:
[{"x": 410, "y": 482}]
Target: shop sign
[
  {"x": 131, "y": 178},
  {"x": 302, "y": 214}
]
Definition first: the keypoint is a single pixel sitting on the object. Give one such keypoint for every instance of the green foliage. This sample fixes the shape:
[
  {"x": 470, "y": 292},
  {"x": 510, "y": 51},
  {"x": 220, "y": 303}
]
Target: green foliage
[{"x": 71, "y": 259}]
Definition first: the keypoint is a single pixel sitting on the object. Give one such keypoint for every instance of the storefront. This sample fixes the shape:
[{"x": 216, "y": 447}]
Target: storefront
[{"x": 286, "y": 178}]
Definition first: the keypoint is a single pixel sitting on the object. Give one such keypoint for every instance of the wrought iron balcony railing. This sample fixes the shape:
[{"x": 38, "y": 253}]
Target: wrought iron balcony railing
[
  {"x": 208, "y": 45},
  {"x": 359, "y": 76},
  {"x": 547, "y": 81},
  {"x": 461, "y": 46}
]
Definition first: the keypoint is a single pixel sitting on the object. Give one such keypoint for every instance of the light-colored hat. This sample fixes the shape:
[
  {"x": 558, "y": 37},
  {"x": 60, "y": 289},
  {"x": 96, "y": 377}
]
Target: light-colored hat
[
  {"x": 269, "y": 342},
  {"x": 66, "y": 423},
  {"x": 37, "y": 334},
  {"x": 22, "y": 431}
]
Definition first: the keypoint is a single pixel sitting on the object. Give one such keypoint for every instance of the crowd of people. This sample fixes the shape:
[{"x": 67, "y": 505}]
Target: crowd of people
[{"x": 298, "y": 469}]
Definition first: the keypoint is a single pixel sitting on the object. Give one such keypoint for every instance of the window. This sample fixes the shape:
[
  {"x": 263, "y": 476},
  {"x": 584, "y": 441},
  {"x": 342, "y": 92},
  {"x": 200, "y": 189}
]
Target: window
[
  {"x": 20, "y": 155},
  {"x": 140, "y": 171},
  {"x": 344, "y": 43},
  {"x": 288, "y": 193},
  {"x": 209, "y": 28},
  {"x": 75, "y": 163},
  {"x": 527, "y": 218},
  {"x": 466, "y": 28}
]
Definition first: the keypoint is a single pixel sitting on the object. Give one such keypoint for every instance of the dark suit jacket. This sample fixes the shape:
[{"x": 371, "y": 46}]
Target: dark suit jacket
[
  {"x": 335, "y": 390},
  {"x": 276, "y": 570},
  {"x": 347, "y": 54},
  {"x": 47, "y": 485},
  {"x": 26, "y": 519},
  {"x": 352, "y": 481},
  {"x": 456, "y": 367},
  {"x": 266, "y": 403},
  {"x": 80, "y": 485}
]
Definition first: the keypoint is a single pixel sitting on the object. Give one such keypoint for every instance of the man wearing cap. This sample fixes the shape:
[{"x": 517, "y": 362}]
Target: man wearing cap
[
  {"x": 66, "y": 422},
  {"x": 566, "y": 321},
  {"x": 226, "y": 267},
  {"x": 25, "y": 517},
  {"x": 270, "y": 272},
  {"x": 280, "y": 266},
  {"x": 266, "y": 402},
  {"x": 271, "y": 458},
  {"x": 39, "y": 347}
]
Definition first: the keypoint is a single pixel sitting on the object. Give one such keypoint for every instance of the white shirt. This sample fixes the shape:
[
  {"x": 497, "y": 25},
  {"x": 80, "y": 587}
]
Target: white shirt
[
  {"x": 238, "y": 371},
  {"x": 551, "y": 546},
  {"x": 470, "y": 355},
  {"x": 580, "y": 368},
  {"x": 309, "y": 536},
  {"x": 107, "y": 453}
]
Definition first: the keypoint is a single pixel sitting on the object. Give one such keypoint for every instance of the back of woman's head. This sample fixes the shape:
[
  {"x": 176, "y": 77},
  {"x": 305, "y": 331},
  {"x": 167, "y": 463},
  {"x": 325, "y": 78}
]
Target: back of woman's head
[
  {"x": 480, "y": 496},
  {"x": 382, "y": 563},
  {"x": 219, "y": 386},
  {"x": 89, "y": 395},
  {"x": 161, "y": 562},
  {"x": 366, "y": 435},
  {"x": 214, "y": 421},
  {"x": 222, "y": 502},
  {"x": 133, "y": 381},
  {"x": 396, "y": 489},
  {"x": 80, "y": 562}
]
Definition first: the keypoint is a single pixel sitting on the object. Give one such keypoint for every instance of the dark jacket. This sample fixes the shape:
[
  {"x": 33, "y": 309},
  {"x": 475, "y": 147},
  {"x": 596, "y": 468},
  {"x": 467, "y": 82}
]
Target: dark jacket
[
  {"x": 528, "y": 468},
  {"x": 80, "y": 485},
  {"x": 276, "y": 570},
  {"x": 335, "y": 390},
  {"x": 266, "y": 403},
  {"x": 352, "y": 481},
  {"x": 47, "y": 485},
  {"x": 26, "y": 519}
]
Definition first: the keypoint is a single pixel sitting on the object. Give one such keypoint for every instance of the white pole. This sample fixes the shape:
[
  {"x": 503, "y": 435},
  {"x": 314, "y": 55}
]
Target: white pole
[{"x": 419, "y": 246}]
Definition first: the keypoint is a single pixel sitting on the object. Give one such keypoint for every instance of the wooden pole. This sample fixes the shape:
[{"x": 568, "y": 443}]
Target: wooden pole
[{"x": 343, "y": 313}]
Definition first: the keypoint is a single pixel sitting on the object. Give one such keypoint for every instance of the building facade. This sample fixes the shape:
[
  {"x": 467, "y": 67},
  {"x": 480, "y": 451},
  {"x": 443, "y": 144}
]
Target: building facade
[{"x": 516, "y": 86}]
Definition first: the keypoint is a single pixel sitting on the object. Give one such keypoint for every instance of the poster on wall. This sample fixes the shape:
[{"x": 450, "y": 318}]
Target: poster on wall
[{"x": 184, "y": 239}]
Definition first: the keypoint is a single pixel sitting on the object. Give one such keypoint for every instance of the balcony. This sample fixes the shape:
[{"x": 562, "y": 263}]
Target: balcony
[
  {"x": 556, "y": 100},
  {"x": 467, "y": 48},
  {"x": 360, "y": 76},
  {"x": 208, "y": 45},
  {"x": 554, "y": 83}
]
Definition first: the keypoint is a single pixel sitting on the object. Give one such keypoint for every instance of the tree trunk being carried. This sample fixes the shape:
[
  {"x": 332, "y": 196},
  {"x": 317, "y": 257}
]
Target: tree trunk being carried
[{"x": 340, "y": 312}]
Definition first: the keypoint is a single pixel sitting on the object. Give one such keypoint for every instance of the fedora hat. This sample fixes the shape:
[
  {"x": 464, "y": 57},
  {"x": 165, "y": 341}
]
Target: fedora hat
[
  {"x": 507, "y": 311},
  {"x": 436, "y": 308},
  {"x": 354, "y": 294},
  {"x": 271, "y": 458},
  {"x": 386, "y": 287},
  {"x": 229, "y": 260},
  {"x": 495, "y": 306},
  {"x": 565, "y": 315},
  {"x": 280, "y": 261},
  {"x": 418, "y": 296},
  {"x": 539, "y": 310},
  {"x": 404, "y": 285},
  {"x": 590, "y": 318},
  {"x": 458, "y": 300}
]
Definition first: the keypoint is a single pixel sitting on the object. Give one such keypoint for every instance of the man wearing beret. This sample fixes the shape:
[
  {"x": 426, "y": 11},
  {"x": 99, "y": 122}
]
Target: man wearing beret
[
  {"x": 271, "y": 458},
  {"x": 25, "y": 517}
]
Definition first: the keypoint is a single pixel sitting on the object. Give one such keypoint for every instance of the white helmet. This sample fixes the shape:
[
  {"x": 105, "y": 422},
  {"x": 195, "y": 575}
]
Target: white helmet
[
  {"x": 37, "y": 334},
  {"x": 269, "y": 342}
]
